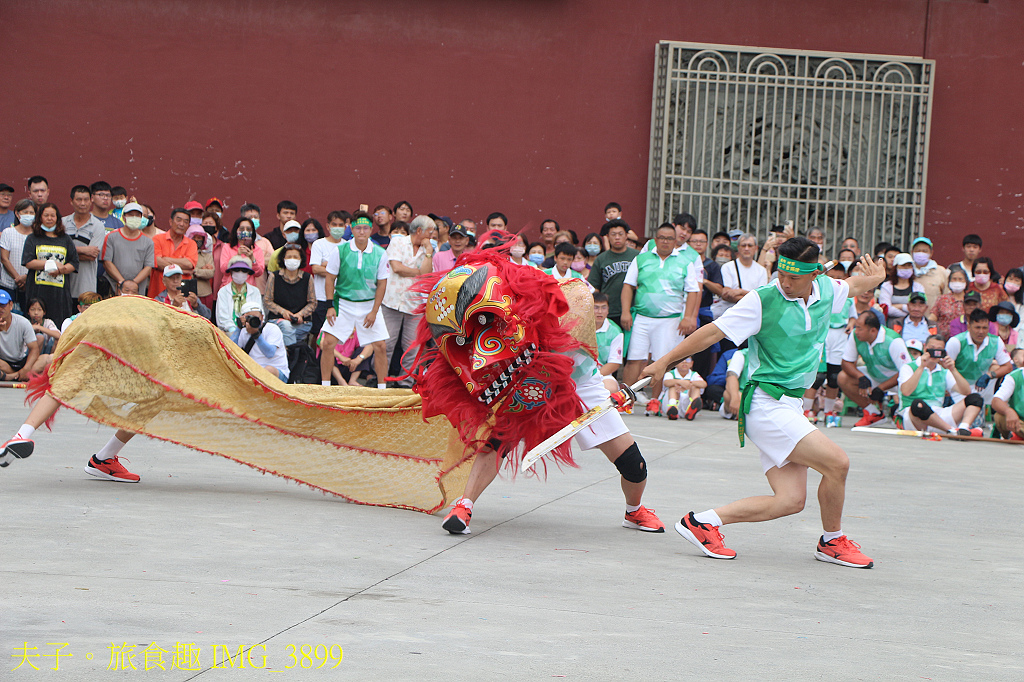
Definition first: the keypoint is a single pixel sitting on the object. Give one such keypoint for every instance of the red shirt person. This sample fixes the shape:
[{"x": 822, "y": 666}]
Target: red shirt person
[{"x": 172, "y": 248}]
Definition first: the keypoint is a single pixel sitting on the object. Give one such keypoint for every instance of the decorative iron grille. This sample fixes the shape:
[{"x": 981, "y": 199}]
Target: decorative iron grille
[{"x": 746, "y": 138}]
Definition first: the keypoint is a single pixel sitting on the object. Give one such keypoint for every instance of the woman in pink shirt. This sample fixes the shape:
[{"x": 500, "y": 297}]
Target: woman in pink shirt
[{"x": 240, "y": 243}]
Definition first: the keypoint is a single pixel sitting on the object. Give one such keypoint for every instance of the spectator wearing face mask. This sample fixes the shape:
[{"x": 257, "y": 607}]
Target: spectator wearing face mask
[
  {"x": 929, "y": 274},
  {"x": 292, "y": 232},
  {"x": 241, "y": 242},
  {"x": 321, "y": 254},
  {"x": 592, "y": 247},
  {"x": 50, "y": 256},
  {"x": 14, "y": 275},
  {"x": 986, "y": 283},
  {"x": 517, "y": 252},
  {"x": 290, "y": 298},
  {"x": 1012, "y": 284},
  {"x": 236, "y": 293},
  {"x": 894, "y": 294},
  {"x": 950, "y": 306},
  {"x": 127, "y": 253},
  {"x": 1003, "y": 321}
]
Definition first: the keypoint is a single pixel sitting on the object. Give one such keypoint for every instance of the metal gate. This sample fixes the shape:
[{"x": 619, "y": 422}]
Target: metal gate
[{"x": 745, "y": 138}]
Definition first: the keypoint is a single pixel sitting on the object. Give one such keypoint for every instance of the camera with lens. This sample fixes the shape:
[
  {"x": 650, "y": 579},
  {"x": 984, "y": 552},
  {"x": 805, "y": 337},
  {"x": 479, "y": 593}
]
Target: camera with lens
[{"x": 252, "y": 321}]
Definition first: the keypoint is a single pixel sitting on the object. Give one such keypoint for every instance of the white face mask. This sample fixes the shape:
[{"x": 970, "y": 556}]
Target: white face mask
[
  {"x": 957, "y": 287},
  {"x": 517, "y": 251},
  {"x": 239, "y": 277},
  {"x": 120, "y": 203},
  {"x": 292, "y": 264},
  {"x": 26, "y": 219},
  {"x": 133, "y": 221}
]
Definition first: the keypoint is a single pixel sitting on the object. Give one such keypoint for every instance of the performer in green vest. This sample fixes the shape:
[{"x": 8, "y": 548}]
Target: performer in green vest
[
  {"x": 975, "y": 350},
  {"x": 1008, "y": 404},
  {"x": 923, "y": 384},
  {"x": 357, "y": 282},
  {"x": 785, "y": 324},
  {"x": 883, "y": 353}
]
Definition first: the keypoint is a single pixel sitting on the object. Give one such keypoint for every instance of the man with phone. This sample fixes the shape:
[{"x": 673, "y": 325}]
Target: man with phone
[{"x": 923, "y": 385}]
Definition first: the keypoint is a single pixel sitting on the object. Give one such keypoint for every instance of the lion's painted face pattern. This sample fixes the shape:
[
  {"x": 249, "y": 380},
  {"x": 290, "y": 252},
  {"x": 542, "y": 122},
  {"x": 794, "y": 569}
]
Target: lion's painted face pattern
[{"x": 470, "y": 313}]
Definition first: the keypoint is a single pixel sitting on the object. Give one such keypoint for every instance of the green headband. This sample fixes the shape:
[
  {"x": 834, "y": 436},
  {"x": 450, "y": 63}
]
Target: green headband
[
  {"x": 796, "y": 267},
  {"x": 362, "y": 221}
]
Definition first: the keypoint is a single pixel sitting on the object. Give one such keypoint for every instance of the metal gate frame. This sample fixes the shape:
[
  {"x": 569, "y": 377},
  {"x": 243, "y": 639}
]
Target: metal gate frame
[{"x": 746, "y": 137}]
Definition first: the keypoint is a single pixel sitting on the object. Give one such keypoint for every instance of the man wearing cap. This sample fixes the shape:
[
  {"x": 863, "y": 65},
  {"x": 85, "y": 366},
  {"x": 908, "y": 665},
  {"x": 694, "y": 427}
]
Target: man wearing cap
[
  {"x": 929, "y": 274},
  {"x": 171, "y": 295},
  {"x": 883, "y": 353},
  {"x": 292, "y": 234},
  {"x": 19, "y": 348},
  {"x": 915, "y": 325},
  {"x": 195, "y": 211},
  {"x": 87, "y": 232},
  {"x": 215, "y": 205},
  {"x": 127, "y": 253},
  {"x": 358, "y": 280},
  {"x": 458, "y": 238},
  {"x": 6, "y": 214},
  {"x": 263, "y": 343},
  {"x": 236, "y": 293},
  {"x": 172, "y": 248}
]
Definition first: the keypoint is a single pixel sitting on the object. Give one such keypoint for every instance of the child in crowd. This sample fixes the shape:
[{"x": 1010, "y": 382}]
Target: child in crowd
[
  {"x": 46, "y": 331},
  {"x": 683, "y": 381},
  {"x": 609, "y": 344}
]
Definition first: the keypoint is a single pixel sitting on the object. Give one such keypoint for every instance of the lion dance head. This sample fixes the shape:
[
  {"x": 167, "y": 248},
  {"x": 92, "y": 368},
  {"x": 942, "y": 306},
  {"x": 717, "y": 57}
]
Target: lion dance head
[{"x": 493, "y": 355}]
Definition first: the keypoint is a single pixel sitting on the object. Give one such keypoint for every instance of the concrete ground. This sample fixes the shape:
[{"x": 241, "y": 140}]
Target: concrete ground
[{"x": 206, "y": 553}]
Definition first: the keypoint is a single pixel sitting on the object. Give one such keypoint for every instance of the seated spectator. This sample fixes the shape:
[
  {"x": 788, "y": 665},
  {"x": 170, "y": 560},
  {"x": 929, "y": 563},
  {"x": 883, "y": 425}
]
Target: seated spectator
[
  {"x": 84, "y": 301},
  {"x": 349, "y": 361},
  {"x": 565, "y": 254},
  {"x": 894, "y": 294},
  {"x": 914, "y": 325},
  {"x": 972, "y": 249},
  {"x": 46, "y": 331},
  {"x": 915, "y": 348},
  {"x": 986, "y": 283},
  {"x": 236, "y": 293},
  {"x": 561, "y": 237},
  {"x": 175, "y": 296},
  {"x": 535, "y": 254},
  {"x": 290, "y": 298},
  {"x": 1017, "y": 357},
  {"x": 722, "y": 254},
  {"x": 923, "y": 384},
  {"x": 129, "y": 288},
  {"x": 263, "y": 343},
  {"x": 683, "y": 381},
  {"x": 950, "y": 306},
  {"x": 1012, "y": 283},
  {"x": 1005, "y": 319},
  {"x": 929, "y": 274},
  {"x": 1008, "y": 403},
  {"x": 970, "y": 303},
  {"x": 19, "y": 348},
  {"x": 241, "y": 242},
  {"x": 609, "y": 342},
  {"x": 979, "y": 355},
  {"x": 883, "y": 353}
]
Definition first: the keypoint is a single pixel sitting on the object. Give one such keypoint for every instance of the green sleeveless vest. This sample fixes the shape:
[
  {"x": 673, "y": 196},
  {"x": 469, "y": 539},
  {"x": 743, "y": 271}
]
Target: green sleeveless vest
[
  {"x": 604, "y": 341},
  {"x": 1016, "y": 401},
  {"x": 659, "y": 290},
  {"x": 970, "y": 367},
  {"x": 876, "y": 358},
  {"x": 357, "y": 281},
  {"x": 931, "y": 387}
]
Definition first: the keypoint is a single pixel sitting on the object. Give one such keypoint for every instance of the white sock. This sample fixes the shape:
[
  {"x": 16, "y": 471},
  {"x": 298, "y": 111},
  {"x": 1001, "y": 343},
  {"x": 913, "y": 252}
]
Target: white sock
[
  {"x": 964, "y": 425},
  {"x": 325, "y": 383},
  {"x": 808, "y": 403},
  {"x": 630, "y": 508},
  {"x": 465, "y": 502},
  {"x": 709, "y": 517},
  {"x": 829, "y": 404},
  {"x": 382, "y": 385},
  {"x": 111, "y": 449},
  {"x": 829, "y": 537},
  {"x": 25, "y": 431},
  {"x": 873, "y": 409},
  {"x": 673, "y": 401}
]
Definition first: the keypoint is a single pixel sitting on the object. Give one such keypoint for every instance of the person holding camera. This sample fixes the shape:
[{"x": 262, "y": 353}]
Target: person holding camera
[
  {"x": 923, "y": 385},
  {"x": 236, "y": 293},
  {"x": 263, "y": 343}
]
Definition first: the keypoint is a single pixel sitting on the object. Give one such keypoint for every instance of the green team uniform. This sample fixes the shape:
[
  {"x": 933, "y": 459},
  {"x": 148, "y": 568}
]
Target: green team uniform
[
  {"x": 970, "y": 366},
  {"x": 357, "y": 273},
  {"x": 877, "y": 359},
  {"x": 605, "y": 340},
  {"x": 931, "y": 387},
  {"x": 1016, "y": 401},
  {"x": 660, "y": 283}
]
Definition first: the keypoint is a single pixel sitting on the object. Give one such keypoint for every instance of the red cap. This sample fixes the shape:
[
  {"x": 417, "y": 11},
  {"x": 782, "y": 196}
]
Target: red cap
[
  {"x": 193, "y": 205},
  {"x": 214, "y": 200}
]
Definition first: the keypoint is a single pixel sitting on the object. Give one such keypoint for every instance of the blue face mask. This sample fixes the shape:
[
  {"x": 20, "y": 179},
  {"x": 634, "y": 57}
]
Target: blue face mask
[
  {"x": 256, "y": 223},
  {"x": 312, "y": 237},
  {"x": 1004, "y": 319},
  {"x": 49, "y": 229},
  {"x": 433, "y": 244},
  {"x": 537, "y": 258},
  {"x": 292, "y": 237},
  {"x": 593, "y": 249},
  {"x": 145, "y": 221}
]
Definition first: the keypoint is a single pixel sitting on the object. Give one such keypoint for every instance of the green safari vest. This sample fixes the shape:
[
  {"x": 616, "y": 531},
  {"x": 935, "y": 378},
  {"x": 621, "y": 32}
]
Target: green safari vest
[
  {"x": 1016, "y": 401},
  {"x": 659, "y": 290},
  {"x": 931, "y": 387},
  {"x": 877, "y": 361},
  {"x": 970, "y": 367},
  {"x": 357, "y": 274},
  {"x": 604, "y": 341}
]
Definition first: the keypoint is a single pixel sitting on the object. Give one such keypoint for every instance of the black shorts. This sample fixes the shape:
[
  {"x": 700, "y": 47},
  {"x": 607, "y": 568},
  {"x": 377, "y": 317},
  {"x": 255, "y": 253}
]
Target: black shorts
[{"x": 16, "y": 365}]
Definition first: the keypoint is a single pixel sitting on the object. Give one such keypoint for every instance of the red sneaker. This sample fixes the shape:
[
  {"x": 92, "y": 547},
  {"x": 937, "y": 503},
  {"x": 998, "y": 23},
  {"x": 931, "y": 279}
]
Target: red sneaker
[
  {"x": 457, "y": 521},
  {"x": 110, "y": 469},
  {"x": 16, "y": 448},
  {"x": 811, "y": 416},
  {"x": 644, "y": 519},
  {"x": 694, "y": 408},
  {"x": 1014, "y": 436},
  {"x": 842, "y": 551},
  {"x": 653, "y": 407},
  {"x": 706, "y": 537},
  {"x": 869, "y": 418},
  {"x": 975, "y": 432},
  {"x": 672, "y": 413}
]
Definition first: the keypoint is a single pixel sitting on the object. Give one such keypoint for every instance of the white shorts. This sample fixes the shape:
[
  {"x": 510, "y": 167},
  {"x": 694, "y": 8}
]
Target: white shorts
[
  {"x": 654, "y": 335},
  {"x": 775, "y": 427},
  {"x": 835, "y": 344},
  {"x": 350, "y": 316},
  {"x": 945, "y": 414},
  {"x": 593, "y": 392}
]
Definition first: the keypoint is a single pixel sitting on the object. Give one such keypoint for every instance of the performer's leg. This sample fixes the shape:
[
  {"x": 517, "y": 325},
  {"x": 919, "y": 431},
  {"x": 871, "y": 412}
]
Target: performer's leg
[
  {"x": 327, "y": 346},
  {"x": 790, "y": 487},
  {"x": 483, "y": 471},
  {"x": 105, "y": 464},
  {"x": 20, "y": 445},
  {"x": 622, "y": 451}
]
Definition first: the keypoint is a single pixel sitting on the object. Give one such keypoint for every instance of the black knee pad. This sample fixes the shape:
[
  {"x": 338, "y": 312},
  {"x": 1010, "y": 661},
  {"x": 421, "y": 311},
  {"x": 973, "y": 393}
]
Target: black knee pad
[
  {"x": 920, "y": 409},
  {"x": 631, "y": 465},
  {"x": 974, "y": 400},
  {"x": 819, "y": 379},
  {"x": 832, "y": 376}
]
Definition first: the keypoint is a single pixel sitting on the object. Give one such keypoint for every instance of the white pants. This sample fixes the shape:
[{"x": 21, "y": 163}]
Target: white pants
[{"x": 351, "y": 315}]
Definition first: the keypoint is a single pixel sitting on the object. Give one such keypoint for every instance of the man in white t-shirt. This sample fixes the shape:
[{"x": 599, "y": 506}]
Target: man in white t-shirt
[
  {"x": 263, "y": 343},
  {"x": 741, "y": 275},
  {"x": 322, "y": 253}
]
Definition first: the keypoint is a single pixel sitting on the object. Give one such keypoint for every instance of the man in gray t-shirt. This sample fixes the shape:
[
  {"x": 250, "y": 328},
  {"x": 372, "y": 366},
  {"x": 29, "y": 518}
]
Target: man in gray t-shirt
[
  {"x": 128, "y": 254},
  {"x": 87, "y": 232},
  {"x": 19, "y": 348}
]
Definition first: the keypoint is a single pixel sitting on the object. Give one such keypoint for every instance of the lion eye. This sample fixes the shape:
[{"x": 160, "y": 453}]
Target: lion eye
[
  {"x": 461, "y": 340},
  {"x": 482, "y": 319}
]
